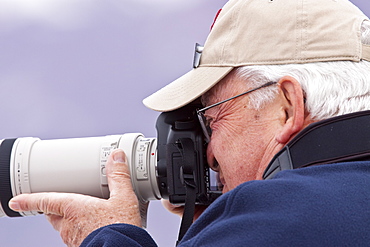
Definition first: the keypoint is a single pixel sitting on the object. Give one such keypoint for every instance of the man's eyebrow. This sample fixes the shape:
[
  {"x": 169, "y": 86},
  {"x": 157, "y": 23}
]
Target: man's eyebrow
[{"x": 205, "y": 99}]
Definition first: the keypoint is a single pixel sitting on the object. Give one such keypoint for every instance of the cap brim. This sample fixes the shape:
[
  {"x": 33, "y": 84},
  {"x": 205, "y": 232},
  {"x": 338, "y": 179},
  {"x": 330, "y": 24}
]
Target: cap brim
[{"x": 186, "y": 88}]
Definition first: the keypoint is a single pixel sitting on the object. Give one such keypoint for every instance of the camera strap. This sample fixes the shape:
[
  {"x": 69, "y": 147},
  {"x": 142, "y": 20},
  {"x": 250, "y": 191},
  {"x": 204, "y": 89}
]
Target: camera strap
[
  {"x": 339, "y": 139},
  {"x": 187, "y": 176}
]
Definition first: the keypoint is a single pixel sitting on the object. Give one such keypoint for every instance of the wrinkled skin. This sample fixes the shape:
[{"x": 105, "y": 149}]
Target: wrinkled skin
[{"x": 75, "y": 216}]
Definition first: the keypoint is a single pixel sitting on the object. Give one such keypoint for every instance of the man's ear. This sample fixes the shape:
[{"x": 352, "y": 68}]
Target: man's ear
[{"x": 292, "y": 107}]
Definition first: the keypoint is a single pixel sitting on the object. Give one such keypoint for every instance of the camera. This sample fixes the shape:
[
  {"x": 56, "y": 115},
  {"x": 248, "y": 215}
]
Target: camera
[{"x": 160, "y": 167}]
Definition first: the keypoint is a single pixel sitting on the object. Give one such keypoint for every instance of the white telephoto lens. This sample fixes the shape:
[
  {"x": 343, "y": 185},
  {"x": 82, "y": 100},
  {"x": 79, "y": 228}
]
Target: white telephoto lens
[{"x": 74, "y": 166}]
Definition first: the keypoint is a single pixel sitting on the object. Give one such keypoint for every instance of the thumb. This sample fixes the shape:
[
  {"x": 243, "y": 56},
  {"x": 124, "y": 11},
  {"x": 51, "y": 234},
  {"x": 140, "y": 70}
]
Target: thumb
[{"x": 118, "y": 173}]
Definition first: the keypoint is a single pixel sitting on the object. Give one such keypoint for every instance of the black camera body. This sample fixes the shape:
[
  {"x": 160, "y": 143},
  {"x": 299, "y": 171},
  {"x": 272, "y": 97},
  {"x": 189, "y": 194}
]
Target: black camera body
[{"x": 181, "y": 142}]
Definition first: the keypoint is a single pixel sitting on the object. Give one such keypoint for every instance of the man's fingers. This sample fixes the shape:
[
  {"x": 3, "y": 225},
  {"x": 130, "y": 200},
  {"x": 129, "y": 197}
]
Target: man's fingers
[
  {"x": 118, "y": 173},
  {"x": 179, "y": 210},
  {"x": 175, "y": 209},
  {"x": 47, "y": 203}
]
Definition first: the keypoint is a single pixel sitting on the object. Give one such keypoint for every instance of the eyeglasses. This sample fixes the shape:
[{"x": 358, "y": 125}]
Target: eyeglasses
[{"x": 207, "y": 131}]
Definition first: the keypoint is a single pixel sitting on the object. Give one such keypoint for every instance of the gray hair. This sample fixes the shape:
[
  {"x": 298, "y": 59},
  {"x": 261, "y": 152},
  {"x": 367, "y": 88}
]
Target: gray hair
[{"x": 330, "y": 88}]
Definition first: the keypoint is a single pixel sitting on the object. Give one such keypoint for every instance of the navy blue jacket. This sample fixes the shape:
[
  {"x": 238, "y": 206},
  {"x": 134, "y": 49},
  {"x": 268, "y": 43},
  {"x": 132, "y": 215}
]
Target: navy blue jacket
[{"x": 325, "y": 205}]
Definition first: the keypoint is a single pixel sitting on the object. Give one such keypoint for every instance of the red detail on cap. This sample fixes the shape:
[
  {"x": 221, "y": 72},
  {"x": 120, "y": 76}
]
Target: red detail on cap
[{"x": 215, "y": 18}]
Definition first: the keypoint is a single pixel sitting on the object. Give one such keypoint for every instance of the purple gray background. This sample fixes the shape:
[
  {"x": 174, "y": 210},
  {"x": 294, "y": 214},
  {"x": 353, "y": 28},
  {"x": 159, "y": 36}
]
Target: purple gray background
[{"x": 81, "y": 68}]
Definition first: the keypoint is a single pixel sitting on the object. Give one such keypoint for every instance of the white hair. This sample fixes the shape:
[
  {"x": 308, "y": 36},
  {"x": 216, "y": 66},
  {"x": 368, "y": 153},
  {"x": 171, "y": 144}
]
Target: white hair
[{"x": 330, "y": 88}]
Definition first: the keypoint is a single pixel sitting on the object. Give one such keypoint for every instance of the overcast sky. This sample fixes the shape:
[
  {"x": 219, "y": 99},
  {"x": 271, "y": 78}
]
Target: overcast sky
[{"x": 71, "y": 14}]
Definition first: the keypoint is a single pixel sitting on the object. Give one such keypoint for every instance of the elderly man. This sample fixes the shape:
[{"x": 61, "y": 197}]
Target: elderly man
[{"x": 270, "y": 72}]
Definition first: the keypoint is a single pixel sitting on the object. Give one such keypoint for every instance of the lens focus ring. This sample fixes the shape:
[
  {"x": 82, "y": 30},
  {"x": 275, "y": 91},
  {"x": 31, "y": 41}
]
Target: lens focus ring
[{"x": 5, "y": 185}]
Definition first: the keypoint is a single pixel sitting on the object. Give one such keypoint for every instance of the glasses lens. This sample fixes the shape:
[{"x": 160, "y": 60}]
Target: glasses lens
[{"x": 204, "y": 123}]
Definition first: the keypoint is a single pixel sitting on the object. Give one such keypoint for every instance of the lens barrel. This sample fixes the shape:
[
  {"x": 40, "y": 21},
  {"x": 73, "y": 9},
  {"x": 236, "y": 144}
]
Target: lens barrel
[{"x": 76, "y": 165}]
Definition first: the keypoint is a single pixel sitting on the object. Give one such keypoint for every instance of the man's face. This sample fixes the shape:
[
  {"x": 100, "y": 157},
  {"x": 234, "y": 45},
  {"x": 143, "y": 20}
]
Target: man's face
[{"x": 243, "y": 139}]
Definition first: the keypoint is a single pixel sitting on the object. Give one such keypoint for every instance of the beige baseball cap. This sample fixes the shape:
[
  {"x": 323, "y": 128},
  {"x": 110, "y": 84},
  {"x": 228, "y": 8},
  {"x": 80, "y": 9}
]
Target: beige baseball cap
[{"x": 268, "y": 32}]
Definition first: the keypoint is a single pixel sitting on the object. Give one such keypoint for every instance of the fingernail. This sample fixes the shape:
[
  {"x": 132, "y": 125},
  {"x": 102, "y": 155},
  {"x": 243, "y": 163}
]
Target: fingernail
[
  {"x": 14, "y": 205},
  {"x": 119, "y": 156}
]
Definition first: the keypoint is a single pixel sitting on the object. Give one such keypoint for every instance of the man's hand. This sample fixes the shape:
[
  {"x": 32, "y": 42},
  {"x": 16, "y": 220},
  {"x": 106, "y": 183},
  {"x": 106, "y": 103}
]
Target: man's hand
[
  {"x": 179, "y": 210},
  {"x": 75, "y": 216}
]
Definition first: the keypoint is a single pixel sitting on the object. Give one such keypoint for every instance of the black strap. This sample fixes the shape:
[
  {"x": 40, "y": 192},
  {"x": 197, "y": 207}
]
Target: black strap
[
  {"x": 338, "y": 139},
  {"x": 188, "y": 178}
]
